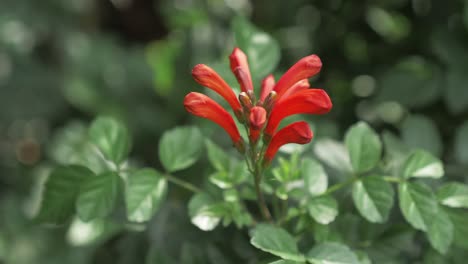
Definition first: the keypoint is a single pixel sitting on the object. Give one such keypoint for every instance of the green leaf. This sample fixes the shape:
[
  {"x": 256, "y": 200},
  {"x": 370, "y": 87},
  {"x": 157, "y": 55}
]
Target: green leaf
[
  {"x": 440, "y": 232},
  {"x": 60, "y": 193},
  {"x": 323, "y": 209},
  {"x": 331, "y": 253},
  {"x": 430, "y": 140},
  {"x": 262, "y": 50},
  {"x": 459, "y": 219},
  {"x": 456, "y": 91},
  {"x": 97, "y": 196},
  {"x": 422, "y": 164},
  {"x": 161, "y": 56},
  {"x": 315, "y": 177},
  {"x": 418, "y": 204},
  {"x": 373, "y": 197},
  {"x": 453, "y": 194},
  {"x": 217, "y": 156},
  {"x": 180, "y": 148},
  {"x": 276, "y": 241},
  {"x": 204, "y": 212},
  {"x": 283, "y": 261},
  {"x": 145, "y": 191},
  {"x": 111, "y": 137},
  {"x": 461, "y": 142},
  {"x": 364, "y": 147},
  {"x": 333, "y": 154}
]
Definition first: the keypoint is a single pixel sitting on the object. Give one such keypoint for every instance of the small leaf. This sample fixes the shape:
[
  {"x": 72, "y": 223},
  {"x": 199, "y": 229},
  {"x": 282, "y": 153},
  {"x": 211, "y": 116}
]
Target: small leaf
[
  {"x": 204, "y": 212},
  {"x": 262, "y": 50},
  {"x": 459, "y": 218},
  {"x": 179, "y": 148},
  {"x": 276, "y": 241},
  {"x": 373, "y": 197},
  {"x": 440, "y": 232},
  {"x": 111, "y": 137},
  {"x": 333, "y": 154},
  {"x": 145, "y": 191},
  {"x": 364, "y": 147},
  {"x": 418, "y": 204},
  {"x": 217, "y": 156},
  {"x": 422, "y": 164},
  {"x": 315, "y": 177},
  {"x": 331, "y": 253},
  {"x": 283, "y": 261},
  {"x": 323, "y": 209},
  {"x": 60, "y": 193},
  {"x": 97, "y": 196},
  {"x": 453, "y": 194}
]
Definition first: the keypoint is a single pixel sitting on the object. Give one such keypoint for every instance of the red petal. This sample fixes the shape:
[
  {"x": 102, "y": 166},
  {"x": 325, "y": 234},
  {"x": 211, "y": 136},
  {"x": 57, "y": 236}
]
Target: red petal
[
  {"x": 309, "y": 101},
  {"x": 298, "y": 132},
  {"x": 207, "y": 77},
  {"x": 240, "y": 68},
  {"x": 267, "y": 86},
  {"x": 303, "y": 69},
  {"x": 201, "y": 105},
  {"x": 299, "y": 86}
]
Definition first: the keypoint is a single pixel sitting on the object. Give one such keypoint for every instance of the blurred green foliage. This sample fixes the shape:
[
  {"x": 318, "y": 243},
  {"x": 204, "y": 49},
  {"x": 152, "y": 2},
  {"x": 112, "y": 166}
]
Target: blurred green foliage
[{"x": 397, "y": 64}]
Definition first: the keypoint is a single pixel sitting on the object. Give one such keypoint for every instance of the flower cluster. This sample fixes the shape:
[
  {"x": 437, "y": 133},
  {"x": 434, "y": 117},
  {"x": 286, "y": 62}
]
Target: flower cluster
[{"x": 289, "y": 96}]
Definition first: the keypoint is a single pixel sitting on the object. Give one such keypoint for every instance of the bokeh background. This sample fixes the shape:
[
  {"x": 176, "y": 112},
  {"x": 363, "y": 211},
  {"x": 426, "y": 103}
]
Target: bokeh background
[{"x": 398, "y": 64}]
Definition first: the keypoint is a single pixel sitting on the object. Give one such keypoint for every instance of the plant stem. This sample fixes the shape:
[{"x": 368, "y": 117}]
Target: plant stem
[
  {"x": 260, "y": 198},
  {"x": 393, "y": 179},
  {"x": 182, "y": 183},
  {"x": 340, "y": 185}
]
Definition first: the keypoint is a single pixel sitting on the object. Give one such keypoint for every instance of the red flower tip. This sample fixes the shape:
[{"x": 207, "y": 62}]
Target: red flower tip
[
  {"x": 257, "y": 117},
  {"x": 240, "y": 68},
  {"x": 303, "y": 69},
  {"x": 208, "y": 77},
  {"x": 300, "y": 85},
  {"x": 201, "y": 105},
  {"x": 298, "y": 132},
  {"x": 309, "y": 101},
  {"x": 267, "y": 86}
]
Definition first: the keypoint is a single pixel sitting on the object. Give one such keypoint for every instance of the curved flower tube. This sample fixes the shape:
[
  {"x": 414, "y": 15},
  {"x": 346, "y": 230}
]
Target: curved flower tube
[
  {"x": 201, "y": 105},
  {"x": 310, "y": 101},
  {"x": 298, "y": 132},
  {"x": 303, "y": 69},
  {"x": 208, "y": 77},
  {"x": 268, "y": 83},
  {"x": 299, "y": 86},
  {"x": 240, "y": 68}
]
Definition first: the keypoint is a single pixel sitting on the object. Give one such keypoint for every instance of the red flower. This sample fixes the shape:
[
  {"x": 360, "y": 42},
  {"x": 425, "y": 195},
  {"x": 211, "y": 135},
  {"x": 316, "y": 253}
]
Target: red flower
[
  {"x": 201, "y": 105},
  {"x": 298, "y": 132},
  {"x": 303, "y": 69},
  {"x": 207, "y": 77},
  {"x": 290, "y": 95}
]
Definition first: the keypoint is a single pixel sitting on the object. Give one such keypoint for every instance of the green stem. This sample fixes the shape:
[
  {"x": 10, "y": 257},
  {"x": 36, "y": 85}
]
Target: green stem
[
  {"x": 182, "y": 183},
  {"x": 260, "y": 198},
  {"x": 393, "y": 179},
  {"x": 339, "y": 186}
]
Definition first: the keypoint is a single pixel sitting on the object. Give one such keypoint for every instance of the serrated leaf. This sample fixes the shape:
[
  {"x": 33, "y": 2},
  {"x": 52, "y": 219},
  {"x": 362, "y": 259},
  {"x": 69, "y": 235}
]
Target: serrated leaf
[
  {"x": 111, "y": 137},
  {"x": 459, "y": 218},
  {"x": 440, "y": 232},
  {"x": 373, "y": 197},
  {"x": 331, "y": 253},
  {"x": 364, "y": 147},
  {"x": 217, "y": 156},
  {"x": 333, "y": 154},
  {"x": 144, "y": 194},
  {"x": 60, "y": 193},
  {"x": 422, "y": 164},
  {"x": 315, "y": 177},
  {"x": 179, "y": 148},
  {"x": 262, "y": 50},
  {"x": 97, "y": 196},
  {"x": 204, "y": 212},
  {"x": 276, "y": 241},
  {"x": 323, "y": 209},
  {"x": 418, "y": 204},
  {"x": 453, "y": 194}
]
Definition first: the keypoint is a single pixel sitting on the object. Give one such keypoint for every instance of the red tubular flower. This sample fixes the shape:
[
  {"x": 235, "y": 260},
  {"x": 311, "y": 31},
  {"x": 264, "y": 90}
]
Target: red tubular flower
[
  {"x": 207, "y": 77},
  {"x": 257, "y": 119},
  {"x": 240, "y": 68},
  {"x": 201, "y": 105},
  {"x": 298, "y": 132},
  {"x": 309, "y": 101},
  {"x": 303, "y": 69},
  {"x": 299, "y": 86},
  {"x": 267, "y": 86}
]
